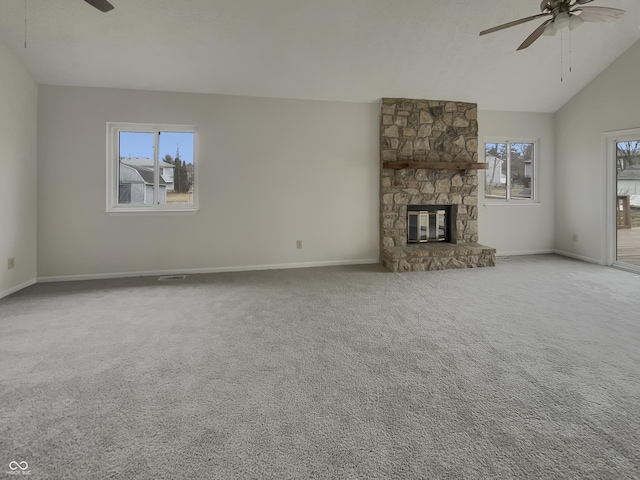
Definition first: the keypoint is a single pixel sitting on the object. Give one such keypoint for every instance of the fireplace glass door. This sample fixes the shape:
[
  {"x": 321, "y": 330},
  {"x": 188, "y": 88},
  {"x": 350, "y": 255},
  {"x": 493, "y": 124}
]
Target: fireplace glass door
[{"x": 426, "y": 226}]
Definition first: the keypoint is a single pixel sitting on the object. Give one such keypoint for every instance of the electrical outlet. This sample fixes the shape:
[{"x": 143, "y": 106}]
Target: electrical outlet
[
  {"x": 11, "y": 263},
  {"x": 575, "y": 237},
  {"x": 298, "y": 243}
]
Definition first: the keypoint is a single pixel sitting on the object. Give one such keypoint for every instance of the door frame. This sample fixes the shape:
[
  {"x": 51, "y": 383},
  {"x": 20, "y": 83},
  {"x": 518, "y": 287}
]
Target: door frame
[{"x": 610, "y": 188}]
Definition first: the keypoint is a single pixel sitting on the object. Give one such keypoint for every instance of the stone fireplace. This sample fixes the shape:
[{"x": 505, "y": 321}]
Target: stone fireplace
[{"x": 429, "y": 161}]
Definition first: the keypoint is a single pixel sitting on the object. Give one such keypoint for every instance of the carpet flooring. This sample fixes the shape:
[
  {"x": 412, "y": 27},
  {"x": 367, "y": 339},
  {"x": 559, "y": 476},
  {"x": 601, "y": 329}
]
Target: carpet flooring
[{"x": 530, "y": 369}]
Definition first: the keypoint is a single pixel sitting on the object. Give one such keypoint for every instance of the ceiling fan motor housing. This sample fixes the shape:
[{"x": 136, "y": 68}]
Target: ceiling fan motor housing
[{"x": 555, "y": 6}]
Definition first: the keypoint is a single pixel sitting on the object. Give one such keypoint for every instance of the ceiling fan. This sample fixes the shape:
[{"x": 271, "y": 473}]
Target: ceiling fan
[
  {"x": 562, "y": 13},
  {"x": 101, "y": 5}
]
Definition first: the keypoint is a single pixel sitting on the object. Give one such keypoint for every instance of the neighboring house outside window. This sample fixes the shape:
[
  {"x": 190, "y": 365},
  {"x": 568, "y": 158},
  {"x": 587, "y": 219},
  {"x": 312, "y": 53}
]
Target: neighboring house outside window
[
  {"x": 141, "y": 180},
  {"x": 165, "y": 169},
  {"x": 629, "y": 183},
  {"x": 137, "y": 186},
  {"x": 510, "y": 176}
]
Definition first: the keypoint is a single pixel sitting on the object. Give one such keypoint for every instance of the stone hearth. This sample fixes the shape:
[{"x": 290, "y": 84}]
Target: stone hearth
[
  {"x": 437, "y": 256},
  {"x": 429, "y": 155}
]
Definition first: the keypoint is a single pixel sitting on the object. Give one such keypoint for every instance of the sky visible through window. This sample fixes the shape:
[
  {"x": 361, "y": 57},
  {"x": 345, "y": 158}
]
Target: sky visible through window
[{"x": 138, "y": 144}]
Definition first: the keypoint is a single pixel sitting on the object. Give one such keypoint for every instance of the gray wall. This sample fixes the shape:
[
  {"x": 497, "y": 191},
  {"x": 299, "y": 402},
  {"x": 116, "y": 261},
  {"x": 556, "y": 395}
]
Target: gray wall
[
  {"x": 611, "y": 102},
  {"x": 271, "y": 172},
  {"x": 18, "y": 103},
  {"x": 520, "y": 228}
]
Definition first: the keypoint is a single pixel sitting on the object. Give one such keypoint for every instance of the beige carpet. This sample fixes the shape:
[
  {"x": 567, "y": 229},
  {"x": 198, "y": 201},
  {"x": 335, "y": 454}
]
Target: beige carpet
[{"x": 527, "y": 370}]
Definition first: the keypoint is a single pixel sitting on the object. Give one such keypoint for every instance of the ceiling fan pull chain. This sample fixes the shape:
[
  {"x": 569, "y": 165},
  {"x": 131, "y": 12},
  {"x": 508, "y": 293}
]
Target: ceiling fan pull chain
[
  {"x": 561, "y": 56},
  {"x": 25, "y": 24},
  {"x": 570, "y": 57}
]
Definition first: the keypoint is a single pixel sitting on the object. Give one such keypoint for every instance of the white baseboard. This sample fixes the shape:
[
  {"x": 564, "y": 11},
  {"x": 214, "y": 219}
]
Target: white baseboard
[
  {"x": 12, "y": 290},
  {"x": 578, "y": 257},
  {"x": 193, "y": 271},
  {"x": 524, "y": 252},
  {"x": 543, "y": 252}
]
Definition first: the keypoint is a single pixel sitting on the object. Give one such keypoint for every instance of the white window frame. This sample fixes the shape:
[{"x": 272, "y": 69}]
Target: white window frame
[
  {"x": 535, "y": 198},
  {"x": 113, "y": 165}
]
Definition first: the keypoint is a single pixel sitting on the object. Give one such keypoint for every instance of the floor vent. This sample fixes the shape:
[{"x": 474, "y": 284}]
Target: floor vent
[{"x": 171, "y": 278}]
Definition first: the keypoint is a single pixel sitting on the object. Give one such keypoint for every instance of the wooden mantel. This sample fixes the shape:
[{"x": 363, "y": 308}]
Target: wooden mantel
[{"x": 436, "y": 165}]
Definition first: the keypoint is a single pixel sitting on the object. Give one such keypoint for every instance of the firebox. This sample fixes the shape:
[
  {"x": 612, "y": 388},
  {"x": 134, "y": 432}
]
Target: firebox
[{"x": 428, "y": 223}]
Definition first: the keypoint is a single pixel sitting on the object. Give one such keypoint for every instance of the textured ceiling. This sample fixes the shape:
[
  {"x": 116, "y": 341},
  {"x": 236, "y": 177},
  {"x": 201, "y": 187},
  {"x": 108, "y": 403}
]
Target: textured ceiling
[{"x": 347, "y": 50}]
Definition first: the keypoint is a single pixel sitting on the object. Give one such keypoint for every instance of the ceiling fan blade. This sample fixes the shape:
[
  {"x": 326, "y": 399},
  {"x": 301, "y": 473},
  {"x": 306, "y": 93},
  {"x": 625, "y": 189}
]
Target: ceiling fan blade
[
  {"x": 582, "y": 2},
  {"x": 598, "y": 14},
  {"x": 101, "y": 5},
  {"x": 514, "y": 23},
  {"x": 535, "y": 35}
]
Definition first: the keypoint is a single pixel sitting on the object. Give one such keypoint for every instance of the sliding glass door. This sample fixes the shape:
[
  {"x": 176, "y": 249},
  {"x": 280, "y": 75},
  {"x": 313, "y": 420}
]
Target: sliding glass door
[{"x": 627, "y": 165}]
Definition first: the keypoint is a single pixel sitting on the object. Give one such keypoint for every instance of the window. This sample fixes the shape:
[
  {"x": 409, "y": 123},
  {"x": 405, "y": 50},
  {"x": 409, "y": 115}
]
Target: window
[
  {"x": 151, "y": 168},
  {"x": 511, "y": 171}
]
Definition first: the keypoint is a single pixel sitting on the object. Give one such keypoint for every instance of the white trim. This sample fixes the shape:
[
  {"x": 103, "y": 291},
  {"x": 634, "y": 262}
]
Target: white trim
[
  {"x": 609, "y": 235},
  {"x": 578, "y": 257},
  {"x": 193, "y": 271},
  {"x": 17, "y": 288},
  {"x": 134, "y": 212},
  {"x": 524, "y": 252},
  {"x": 513, "y": 203}
]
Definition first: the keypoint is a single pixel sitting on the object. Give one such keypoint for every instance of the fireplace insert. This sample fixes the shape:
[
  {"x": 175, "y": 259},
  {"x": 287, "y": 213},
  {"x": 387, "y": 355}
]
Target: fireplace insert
[{"x": 428, "y": 223}]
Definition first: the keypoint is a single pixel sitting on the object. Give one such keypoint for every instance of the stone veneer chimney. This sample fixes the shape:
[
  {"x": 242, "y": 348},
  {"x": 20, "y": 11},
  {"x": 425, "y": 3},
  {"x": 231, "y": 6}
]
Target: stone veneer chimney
[{"x": 429, "y": 156}]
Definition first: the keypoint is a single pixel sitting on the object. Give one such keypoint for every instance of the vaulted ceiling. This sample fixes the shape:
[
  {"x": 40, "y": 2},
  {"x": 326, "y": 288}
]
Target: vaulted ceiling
[{"x": 346, "y": 50}]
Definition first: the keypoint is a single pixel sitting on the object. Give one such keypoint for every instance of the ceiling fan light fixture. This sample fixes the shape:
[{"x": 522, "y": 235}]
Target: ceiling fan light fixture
[
  {"x": 575, "y": 21},
  {"x": 562, "y": 20}
]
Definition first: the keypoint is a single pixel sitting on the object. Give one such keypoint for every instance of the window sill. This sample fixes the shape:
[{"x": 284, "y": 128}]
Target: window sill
[
  {"x": 512, "y": 204},
  {"x": 153, "y": 212}
]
